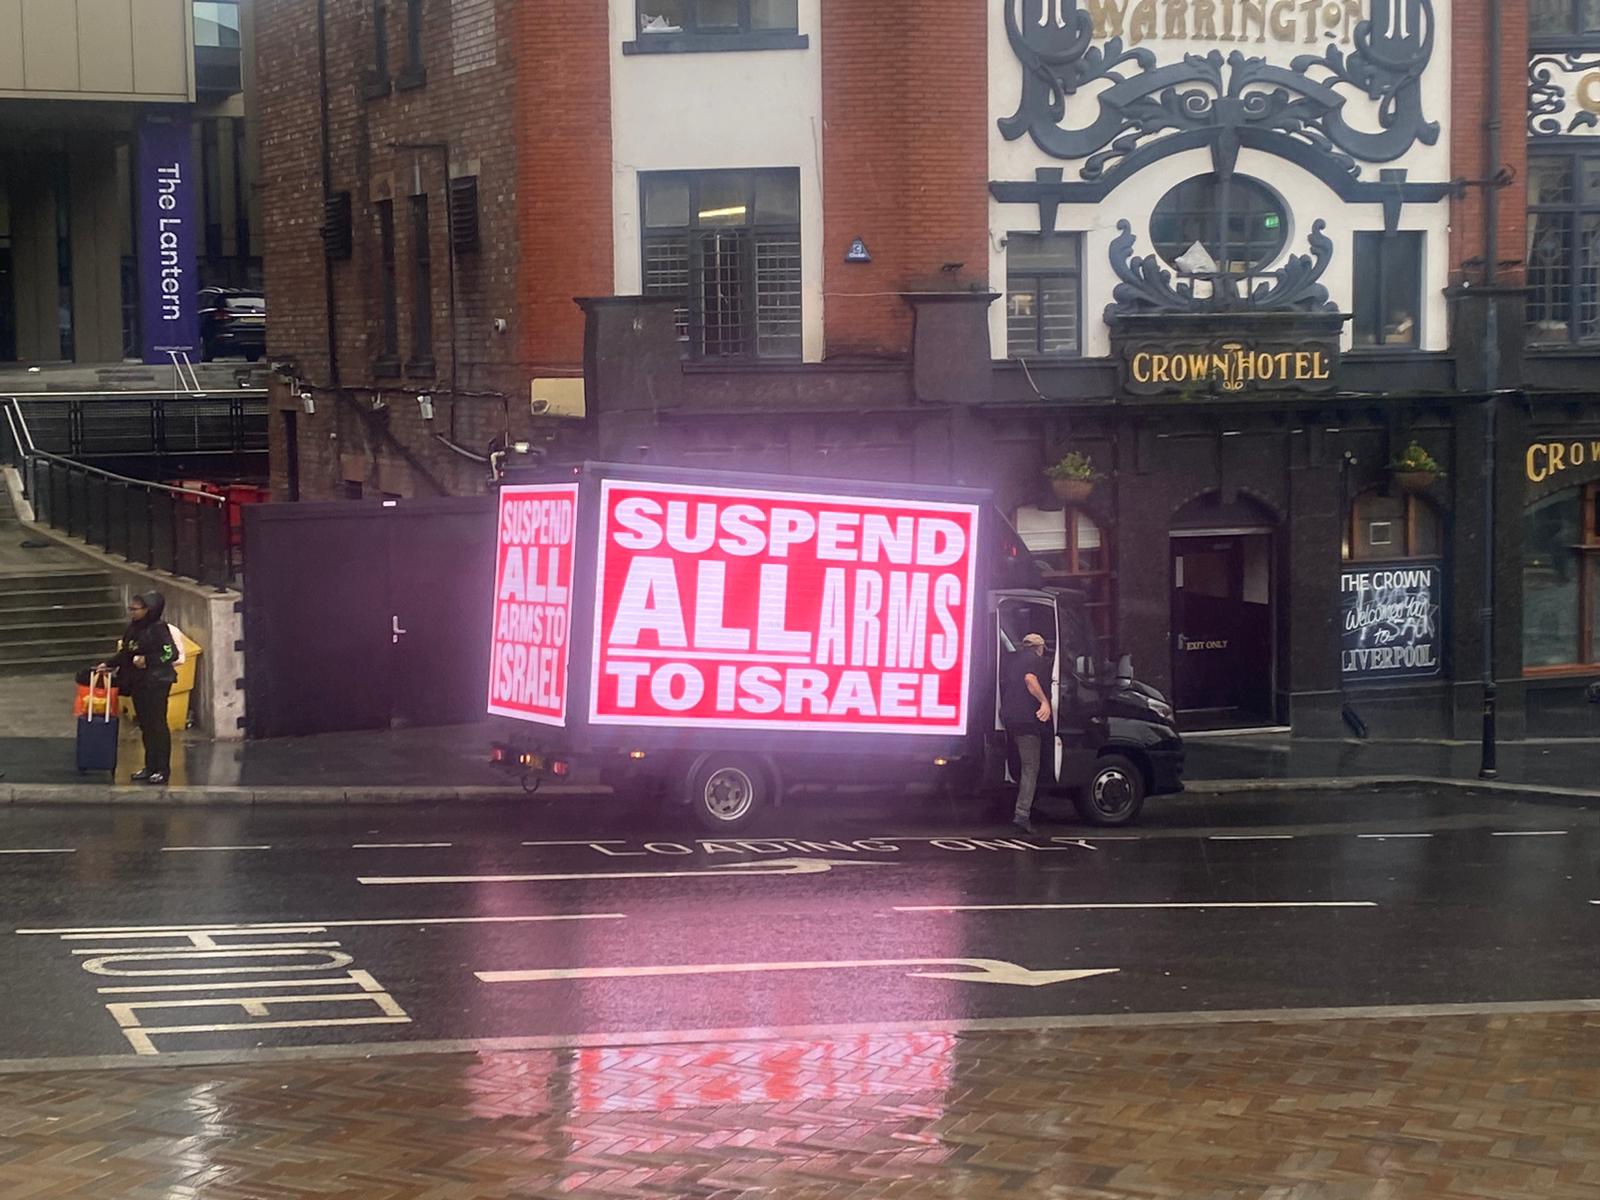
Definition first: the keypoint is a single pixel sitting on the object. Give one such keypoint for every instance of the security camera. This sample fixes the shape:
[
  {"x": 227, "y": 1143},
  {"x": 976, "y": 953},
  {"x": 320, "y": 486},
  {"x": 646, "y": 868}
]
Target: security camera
[
  {"x": 308, "y": 402},
  {"x": 500, "y": 325}
]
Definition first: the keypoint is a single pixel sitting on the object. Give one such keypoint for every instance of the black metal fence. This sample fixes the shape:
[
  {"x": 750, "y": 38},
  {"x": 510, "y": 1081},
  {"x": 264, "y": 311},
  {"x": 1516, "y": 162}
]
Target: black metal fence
[
  {"x": 126, "y": 424},
  {"x": 169, "y": 529}
]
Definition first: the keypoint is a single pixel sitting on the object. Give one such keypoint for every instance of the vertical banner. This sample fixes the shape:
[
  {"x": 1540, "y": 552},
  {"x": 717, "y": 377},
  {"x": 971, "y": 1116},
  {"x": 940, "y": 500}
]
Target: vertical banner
[
  {"x": 743, "y": 608},
  {"x": 1389, "y": 626},
  {"x": 533, "y": 603},
  {"x": 169, "y": 238}
]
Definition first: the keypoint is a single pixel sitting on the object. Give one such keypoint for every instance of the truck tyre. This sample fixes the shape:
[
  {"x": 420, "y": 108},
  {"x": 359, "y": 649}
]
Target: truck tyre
[
  {"x": 726, "y": 792},
  {"x": 1114, "y": 794}
]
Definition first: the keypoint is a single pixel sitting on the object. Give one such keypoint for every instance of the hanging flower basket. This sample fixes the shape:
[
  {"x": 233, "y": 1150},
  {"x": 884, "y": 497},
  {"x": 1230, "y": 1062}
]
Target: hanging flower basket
[
  {"x": 1073, "y": 491},
  {"x": 1415, "y": 470},
  {"x": 1072, "y": 478}
]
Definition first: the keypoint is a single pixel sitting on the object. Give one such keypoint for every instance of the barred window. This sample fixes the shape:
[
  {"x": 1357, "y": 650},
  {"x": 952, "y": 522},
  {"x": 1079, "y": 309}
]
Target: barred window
[
  {"x": 728, "y": 244},
  {"x": 1563, "y": 247},
  {"x": 1043, "y": 313}
]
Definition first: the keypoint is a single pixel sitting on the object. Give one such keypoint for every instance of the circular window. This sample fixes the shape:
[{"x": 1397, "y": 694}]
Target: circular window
[{"x": 1239, "y": 224}]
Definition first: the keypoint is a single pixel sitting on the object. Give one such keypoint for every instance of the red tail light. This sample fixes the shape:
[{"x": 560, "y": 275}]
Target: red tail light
[{"x": 559, "y": 767}]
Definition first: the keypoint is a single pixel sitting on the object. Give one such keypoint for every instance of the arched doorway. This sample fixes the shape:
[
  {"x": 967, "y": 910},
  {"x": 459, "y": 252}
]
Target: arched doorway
[{"x": 1224, "y": 627}]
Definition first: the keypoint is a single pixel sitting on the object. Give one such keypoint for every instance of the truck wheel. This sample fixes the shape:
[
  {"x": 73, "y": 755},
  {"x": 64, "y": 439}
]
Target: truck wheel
[
  {"x": 1114, "y": 794},
  {"x": 726, "y": 793}
]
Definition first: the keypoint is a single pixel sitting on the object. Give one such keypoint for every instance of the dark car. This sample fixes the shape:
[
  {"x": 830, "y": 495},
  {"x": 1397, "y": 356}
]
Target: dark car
[{"x": 232, "y": 321}]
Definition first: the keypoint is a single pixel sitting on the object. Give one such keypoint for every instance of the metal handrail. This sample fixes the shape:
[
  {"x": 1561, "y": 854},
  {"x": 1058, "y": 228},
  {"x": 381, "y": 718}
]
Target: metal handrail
[
  {"x": 177, "y": 529},
  {"x": 28, "y": 449},
  {"x": 161, "y": 394}
]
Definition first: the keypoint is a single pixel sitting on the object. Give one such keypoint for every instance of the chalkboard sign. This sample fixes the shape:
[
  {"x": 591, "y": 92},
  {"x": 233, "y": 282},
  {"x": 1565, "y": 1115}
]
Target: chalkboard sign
[{"x": 1389, "y": 622}]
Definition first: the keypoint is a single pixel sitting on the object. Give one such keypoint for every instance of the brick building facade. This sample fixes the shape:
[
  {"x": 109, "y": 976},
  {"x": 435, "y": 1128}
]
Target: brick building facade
[{"x": 1237, "y": 254}]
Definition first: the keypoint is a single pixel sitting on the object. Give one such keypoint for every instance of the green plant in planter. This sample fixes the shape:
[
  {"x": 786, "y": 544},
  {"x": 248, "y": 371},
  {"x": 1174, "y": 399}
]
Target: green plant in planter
[
  {"x": 1073, "y": 467},
  {"x": 1415, "y": 460}
]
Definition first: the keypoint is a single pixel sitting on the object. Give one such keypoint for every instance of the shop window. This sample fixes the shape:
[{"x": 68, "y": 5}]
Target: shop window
[
  {"x": 1388, "y": 276},
  {"x": 1383, "y": 528},
  {"x": 1234, "y": 225},
  {"x": 1043, "y": 312},
  {"x": 728, "y": 244},
  {"x": 1564, "y": 247},
  {"x": 1072, "y": 551},
  {"x": 1558, "y": 18},
  {"x": 1560, "y": 557}
]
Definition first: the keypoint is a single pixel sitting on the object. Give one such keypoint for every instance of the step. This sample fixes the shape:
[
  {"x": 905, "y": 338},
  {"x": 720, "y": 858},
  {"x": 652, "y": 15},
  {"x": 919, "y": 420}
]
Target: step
[
  {"x": 92, "y": 611},
  {"x": 64, "y": 667},
  {"x": 86, "y": 649},
  {"x": 49, "y": 598},
  {"x": 106, "y": 632},
  {"x": 37, "y": 580}
]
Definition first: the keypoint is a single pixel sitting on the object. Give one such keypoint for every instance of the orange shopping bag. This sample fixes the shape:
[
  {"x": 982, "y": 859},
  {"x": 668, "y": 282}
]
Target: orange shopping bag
[{"x": 100, "y": 690}]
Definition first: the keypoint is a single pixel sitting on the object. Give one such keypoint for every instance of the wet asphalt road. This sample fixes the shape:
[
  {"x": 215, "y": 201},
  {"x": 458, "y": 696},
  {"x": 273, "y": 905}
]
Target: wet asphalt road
[{"x": 165, "y": 931}]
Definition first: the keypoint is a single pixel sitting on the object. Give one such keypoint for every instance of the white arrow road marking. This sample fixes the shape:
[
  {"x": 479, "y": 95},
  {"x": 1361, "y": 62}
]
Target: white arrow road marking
[
  {"x": 978, "y": 970},
  {"x": 766, "y": 866},
  {"x": 1093, "y": 907}
]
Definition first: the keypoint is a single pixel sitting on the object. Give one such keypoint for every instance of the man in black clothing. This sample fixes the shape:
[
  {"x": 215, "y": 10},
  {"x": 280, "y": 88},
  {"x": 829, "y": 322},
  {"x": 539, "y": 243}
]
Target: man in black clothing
[
  {"x": 1023, "y": 709},
  {"x": 145, "y": 669}
]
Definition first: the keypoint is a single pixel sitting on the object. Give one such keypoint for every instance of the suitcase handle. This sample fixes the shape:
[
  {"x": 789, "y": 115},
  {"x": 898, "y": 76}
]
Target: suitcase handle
[{"x": 97, "y": 681}]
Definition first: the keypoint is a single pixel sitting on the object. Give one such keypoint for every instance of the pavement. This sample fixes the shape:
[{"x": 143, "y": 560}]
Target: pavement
[{"x": 1287, "y": 995}]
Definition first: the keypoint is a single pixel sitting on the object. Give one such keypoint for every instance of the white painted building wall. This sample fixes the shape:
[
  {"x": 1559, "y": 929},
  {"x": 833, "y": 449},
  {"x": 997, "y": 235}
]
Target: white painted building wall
[
  {"x": 1307, "y": 196},
  {"x": 712, "y": 111}
]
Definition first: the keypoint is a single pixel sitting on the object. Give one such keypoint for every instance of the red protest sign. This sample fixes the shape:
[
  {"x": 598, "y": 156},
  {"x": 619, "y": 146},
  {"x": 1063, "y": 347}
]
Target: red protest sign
[
  {"x": 754, "y": 609},
  {"x": 533, "y": 602}
]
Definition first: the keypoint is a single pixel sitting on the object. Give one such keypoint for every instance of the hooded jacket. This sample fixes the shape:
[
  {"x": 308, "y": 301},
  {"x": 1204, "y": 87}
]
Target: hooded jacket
[{"x": 150, "y": 638}]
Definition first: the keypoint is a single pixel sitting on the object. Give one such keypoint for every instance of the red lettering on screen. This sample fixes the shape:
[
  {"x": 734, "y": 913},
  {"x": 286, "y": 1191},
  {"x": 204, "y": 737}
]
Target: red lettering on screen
[
  {"x": 741, "y": 608},
  {"x": 533, "y": 602}
]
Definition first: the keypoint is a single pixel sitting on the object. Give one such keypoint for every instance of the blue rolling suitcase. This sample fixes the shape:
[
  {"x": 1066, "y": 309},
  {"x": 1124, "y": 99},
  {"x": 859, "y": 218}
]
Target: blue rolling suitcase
[{"x": 97, "y": 733}]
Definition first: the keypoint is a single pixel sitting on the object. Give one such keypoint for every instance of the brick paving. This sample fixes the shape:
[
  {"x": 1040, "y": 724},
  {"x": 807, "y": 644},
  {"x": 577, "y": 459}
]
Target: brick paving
[{"x": 1453, "y": 1108}]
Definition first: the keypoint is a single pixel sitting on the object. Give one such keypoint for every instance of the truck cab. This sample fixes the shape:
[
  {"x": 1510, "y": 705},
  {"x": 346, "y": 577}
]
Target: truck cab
[{"x": 1111, "y": 741}]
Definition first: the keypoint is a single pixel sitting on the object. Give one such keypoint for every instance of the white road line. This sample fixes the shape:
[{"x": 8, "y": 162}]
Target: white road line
[
  {"x": 1385, "y": 837},
  {"x": 62, "y": 850},
  {"x": 1250, "y": 837},
  {"x": 400, "y": 845},
  {"x": 181, "y": 849},
  {"x": 1113, "y": 906},
  {"x": 590, "y": 842},
  {"x": 1529, "y": 833},
  {"x": 90, "y": 931}
]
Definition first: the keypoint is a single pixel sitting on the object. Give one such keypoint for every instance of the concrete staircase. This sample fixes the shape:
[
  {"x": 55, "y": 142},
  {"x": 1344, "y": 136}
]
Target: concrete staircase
[{"x": 54, "y": 619}]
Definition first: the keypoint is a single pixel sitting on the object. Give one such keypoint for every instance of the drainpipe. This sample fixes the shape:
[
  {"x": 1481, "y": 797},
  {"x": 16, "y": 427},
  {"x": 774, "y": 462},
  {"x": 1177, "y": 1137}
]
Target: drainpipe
[
  {"x": 443, "y": 150},
  {"x": 329, "y": 297},
  {"x": 1491, "y": 374}
]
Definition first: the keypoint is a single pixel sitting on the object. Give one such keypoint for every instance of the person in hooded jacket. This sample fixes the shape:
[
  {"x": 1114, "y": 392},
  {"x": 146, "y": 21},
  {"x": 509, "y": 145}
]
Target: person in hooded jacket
[{"x": 145, "y": 666}]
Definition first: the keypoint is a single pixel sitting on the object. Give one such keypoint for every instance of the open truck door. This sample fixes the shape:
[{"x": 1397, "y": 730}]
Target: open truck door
[{"x": 1015, "y": 615}]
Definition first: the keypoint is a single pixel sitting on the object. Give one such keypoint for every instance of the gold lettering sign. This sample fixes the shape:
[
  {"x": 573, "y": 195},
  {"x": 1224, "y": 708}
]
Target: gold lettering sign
[
  {"x": 1545, "y": 459},
  {"x": 1290, "y": 22},
  {"x": 1231, "y": 366}
]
